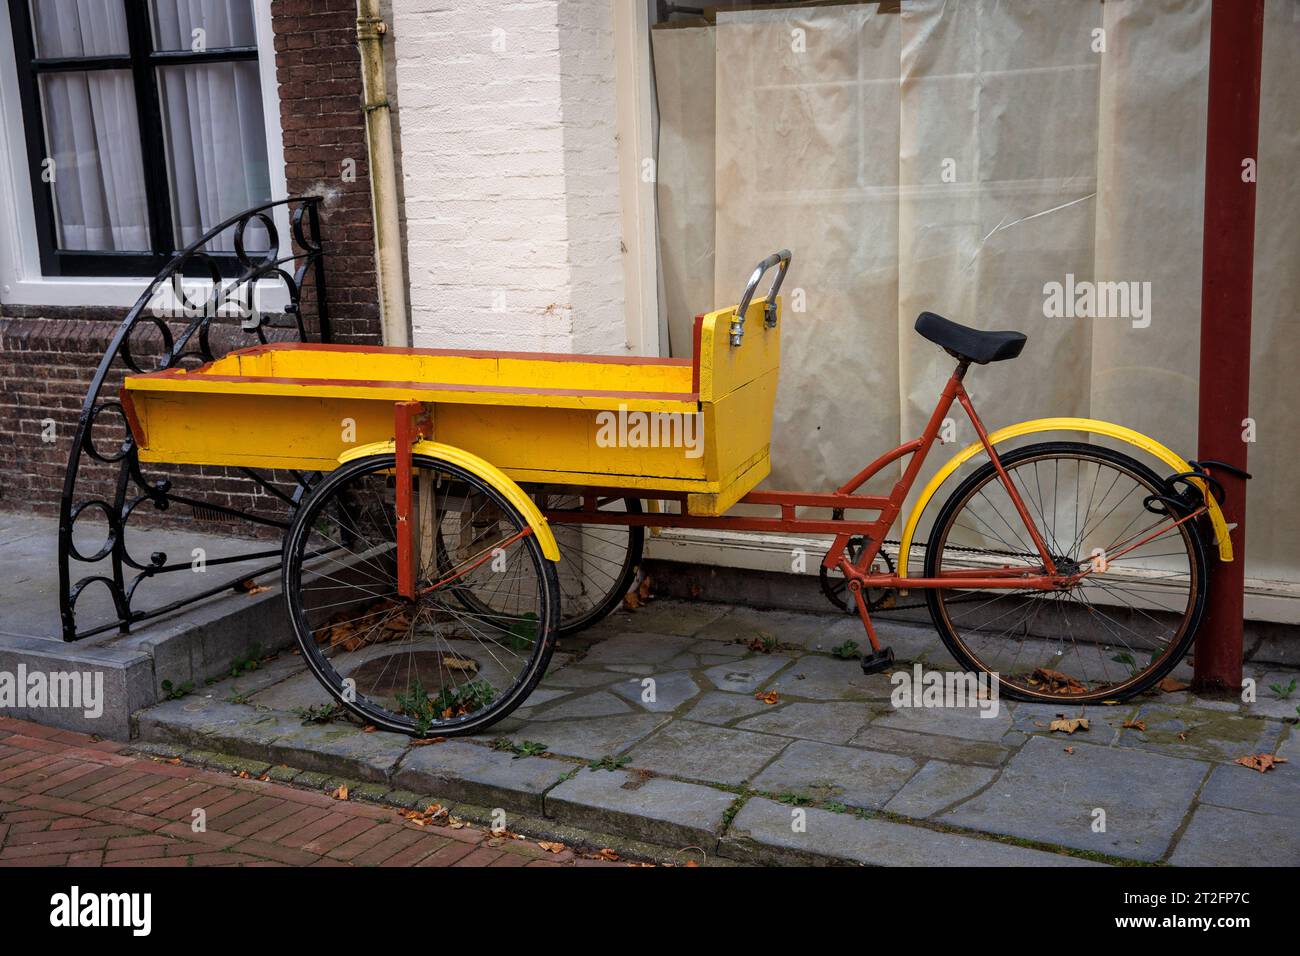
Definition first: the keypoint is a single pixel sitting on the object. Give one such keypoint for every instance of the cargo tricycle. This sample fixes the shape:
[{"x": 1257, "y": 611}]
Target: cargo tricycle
[{"x": 472, "y": 507}]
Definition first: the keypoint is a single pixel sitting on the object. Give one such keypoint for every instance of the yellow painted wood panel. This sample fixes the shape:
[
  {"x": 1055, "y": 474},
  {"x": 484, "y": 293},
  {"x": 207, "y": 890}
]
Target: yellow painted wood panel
[
  {"x": 725, "y": 367},
  {"x": 526, "y": 371}
]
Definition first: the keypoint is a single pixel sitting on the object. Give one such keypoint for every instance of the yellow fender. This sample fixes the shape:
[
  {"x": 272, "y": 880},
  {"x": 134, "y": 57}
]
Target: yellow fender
[
  {"x": 490, "y": 473},
  {"x": 1091, "y": 425}
]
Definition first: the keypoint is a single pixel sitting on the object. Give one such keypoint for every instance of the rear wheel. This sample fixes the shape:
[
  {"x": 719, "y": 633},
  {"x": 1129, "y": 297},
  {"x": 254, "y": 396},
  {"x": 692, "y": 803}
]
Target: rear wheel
[
  {"x": 600, "y": 561},
  {"x": 1116, "y": 632},
  {"x": 435, "y": 665}
]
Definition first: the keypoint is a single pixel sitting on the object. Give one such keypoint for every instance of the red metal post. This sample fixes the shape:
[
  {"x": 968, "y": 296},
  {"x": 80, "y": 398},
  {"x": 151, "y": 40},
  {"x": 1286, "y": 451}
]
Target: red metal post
[
  {"x": 406, "y": 432},
  {"x": 1227, "y": 272}
]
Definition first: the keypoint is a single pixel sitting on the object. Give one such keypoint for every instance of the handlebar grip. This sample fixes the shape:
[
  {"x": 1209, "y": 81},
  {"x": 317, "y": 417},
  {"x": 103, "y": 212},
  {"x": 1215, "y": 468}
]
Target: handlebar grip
[{"x": 782, "y": 259}]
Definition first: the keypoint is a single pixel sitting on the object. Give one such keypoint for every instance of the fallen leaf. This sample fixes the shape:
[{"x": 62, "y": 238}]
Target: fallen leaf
[
  {"x": 690, "y": 863},
  {"x": 340, "y": 794},
  {"x": 768, "y": 697},
  {"x": 552, "y": 847},
  {"x": 425, "y": 741},
  {"x": 1068, "y": 725},
  {"x": 1182, "y": 735},
  {"x": 369, "y": 729},
  {"x": 1058, "y": 682},
  {"x": 608, "y": 854},
  {"x": 644, "y": 590},
  {"x": 1069, "y": 750},
  {"x": 1171, "y": 685},
  {"x": 1261, "y": 762},
  {"x": 1134, "y": 725},
  {"x": 631, "y": 601}
]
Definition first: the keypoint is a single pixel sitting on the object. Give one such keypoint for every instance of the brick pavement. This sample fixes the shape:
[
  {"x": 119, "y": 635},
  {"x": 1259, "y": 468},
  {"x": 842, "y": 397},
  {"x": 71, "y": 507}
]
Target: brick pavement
[{"x": 69, "y": 800}]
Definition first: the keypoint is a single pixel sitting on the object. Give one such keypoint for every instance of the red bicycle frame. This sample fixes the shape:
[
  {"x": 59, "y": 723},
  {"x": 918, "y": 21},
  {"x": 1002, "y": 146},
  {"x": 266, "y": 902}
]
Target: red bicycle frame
[
  {"x": 856, "y": 572},
  {"x": 411, "y": 425}
]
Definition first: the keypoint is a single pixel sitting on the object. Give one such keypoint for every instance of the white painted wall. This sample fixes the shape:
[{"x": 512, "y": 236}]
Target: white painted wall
[{"x": 510, "y": 169}]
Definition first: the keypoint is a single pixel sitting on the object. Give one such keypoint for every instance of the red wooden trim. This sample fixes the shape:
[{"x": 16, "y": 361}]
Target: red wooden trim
[
  {"x": 462, "y": 353},
  {"x": 696, "y": 332},
  {"x": 132, "y": 419},
  {"x": 1227, "y": 271}
]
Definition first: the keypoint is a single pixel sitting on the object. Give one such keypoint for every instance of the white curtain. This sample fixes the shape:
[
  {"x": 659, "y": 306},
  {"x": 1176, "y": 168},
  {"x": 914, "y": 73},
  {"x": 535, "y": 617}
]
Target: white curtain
[
  {"x": 955, "y": 157},
  {"x": 91, "y": 129},
  {"x": 212, "y": 122},
  {"x": 212, "y": 117}
]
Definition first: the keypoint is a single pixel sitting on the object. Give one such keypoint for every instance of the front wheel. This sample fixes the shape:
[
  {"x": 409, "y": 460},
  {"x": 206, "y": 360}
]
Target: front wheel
[
  {"x": 432, "y": 665},
  {"x": 1117, "y": 631}
]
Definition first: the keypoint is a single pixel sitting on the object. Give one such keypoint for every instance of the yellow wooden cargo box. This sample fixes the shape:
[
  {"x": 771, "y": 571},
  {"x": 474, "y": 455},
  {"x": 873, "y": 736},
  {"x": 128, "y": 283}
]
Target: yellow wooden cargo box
[{"x": 699, "y": 426}]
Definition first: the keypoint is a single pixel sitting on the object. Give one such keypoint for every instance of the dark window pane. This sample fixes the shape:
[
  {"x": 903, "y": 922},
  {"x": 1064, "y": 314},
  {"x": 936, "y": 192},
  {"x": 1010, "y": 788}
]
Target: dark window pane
[
  {"x": 93, "y": 137},
  {"x": 221, "y": 23},
  {"x": 216, "y": 146},
  {"x": 66, "y": 28}
]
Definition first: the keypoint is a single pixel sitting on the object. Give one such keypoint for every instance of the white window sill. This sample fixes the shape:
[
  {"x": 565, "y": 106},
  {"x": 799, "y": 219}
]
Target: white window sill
[{"x": 112, "y": 293}]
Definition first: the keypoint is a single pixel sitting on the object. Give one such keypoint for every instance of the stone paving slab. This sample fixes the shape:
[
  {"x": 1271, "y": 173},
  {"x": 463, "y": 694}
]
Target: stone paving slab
[
  {"x": 968, "y": 723},
  {"x": 588, "y": 739},
  {"x": 718, "y": 707},
  {"x": 1047, "y": 794},
  {"x": 705, "y": 752},
  {"x": 833, "y": 722},
  {"x": 846, "y": 775},
  {"x": 670, "y": 691},
  {"x": 1104, "y": 723},
  {"x": 1277, "y": 704},
  {"x": 1219, "y": 836},
  {"x": 746, "y": 676},
  {"x": 981, "y": 753},
  {"x": 828, "y": 678},
  {"x": 597, "y": 704},
  {"x": 1207, "y": 735},
  {"x": 803, "y": 631},
  {"x": 937, "y": 786},
  {"x": 1240, "y": 788},
  {"x": 764, "y": 832},
  {"x": 639, "y": 649},
  {"x": 476, "y": 774},
  {"x": 656, "y": 809},
  {"x": 341, "y": 749}
]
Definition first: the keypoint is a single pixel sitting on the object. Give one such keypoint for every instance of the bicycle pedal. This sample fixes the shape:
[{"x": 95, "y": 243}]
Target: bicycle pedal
[{"x": 878, "y": 661}]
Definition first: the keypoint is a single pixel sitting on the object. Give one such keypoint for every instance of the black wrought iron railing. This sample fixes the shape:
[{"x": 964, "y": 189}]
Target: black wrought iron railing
[{"x": 206, "y": 302}]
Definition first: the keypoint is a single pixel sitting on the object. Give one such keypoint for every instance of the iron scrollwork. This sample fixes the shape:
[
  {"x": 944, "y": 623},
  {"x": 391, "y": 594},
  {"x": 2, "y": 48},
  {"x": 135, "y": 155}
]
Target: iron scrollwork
[{"x": 171, "y": 326}]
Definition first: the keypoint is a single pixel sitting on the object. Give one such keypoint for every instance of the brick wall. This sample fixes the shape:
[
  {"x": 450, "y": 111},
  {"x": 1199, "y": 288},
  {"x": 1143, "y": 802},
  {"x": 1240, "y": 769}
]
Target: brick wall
[
  {"x": 510, "y": 164},
  {"x": 319, "y": 70},
  {"x": 48, "y": 354}
]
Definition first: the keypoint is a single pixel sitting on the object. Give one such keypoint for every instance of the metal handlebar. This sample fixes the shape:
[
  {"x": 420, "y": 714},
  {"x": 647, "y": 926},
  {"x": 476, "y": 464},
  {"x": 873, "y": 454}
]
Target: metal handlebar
[{"x": 781, "y": 258}]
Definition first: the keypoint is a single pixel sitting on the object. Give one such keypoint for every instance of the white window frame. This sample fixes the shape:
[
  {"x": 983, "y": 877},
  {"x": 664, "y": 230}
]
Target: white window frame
[{"x": 21, "y": 279}]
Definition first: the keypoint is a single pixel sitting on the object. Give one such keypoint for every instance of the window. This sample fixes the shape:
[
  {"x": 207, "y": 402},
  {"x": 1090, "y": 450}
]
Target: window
[{"x": 144, "y": 127}]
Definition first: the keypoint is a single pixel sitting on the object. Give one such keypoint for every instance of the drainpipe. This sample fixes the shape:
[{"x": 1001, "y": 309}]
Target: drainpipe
[{"x": 383, "y": 175}]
